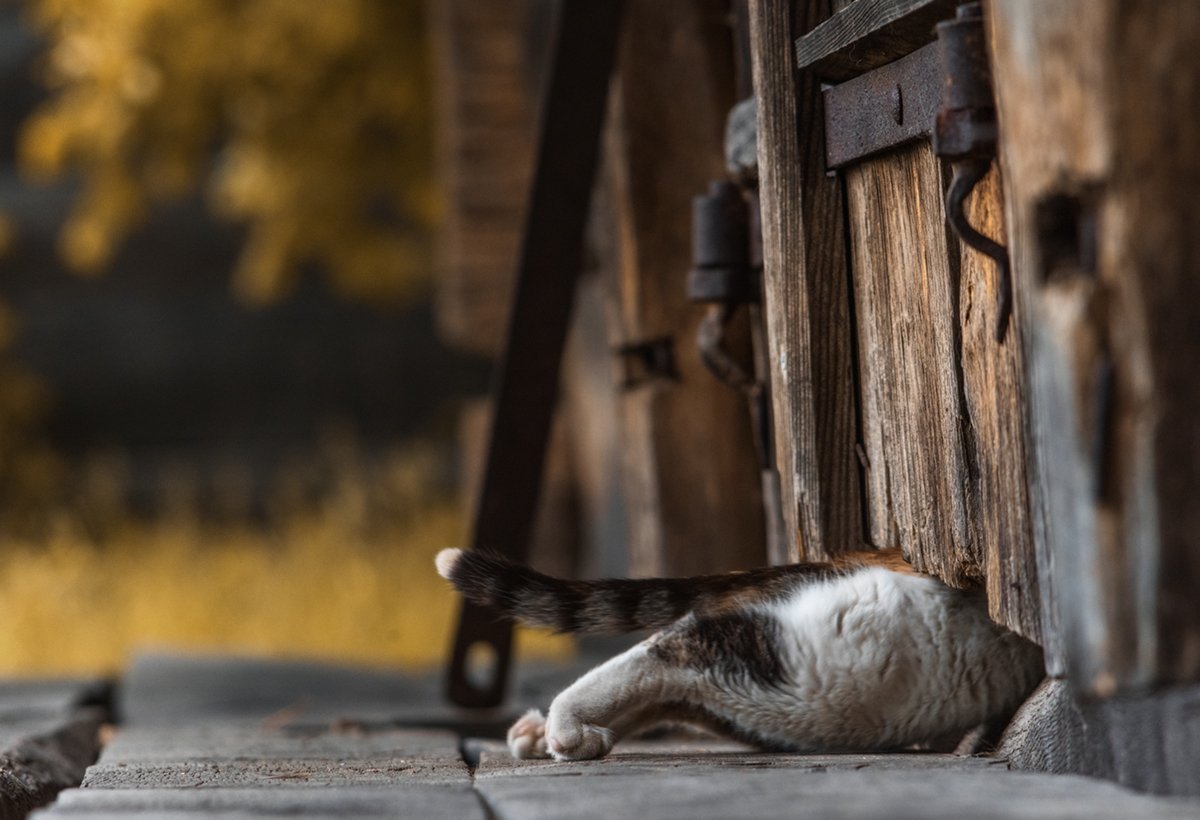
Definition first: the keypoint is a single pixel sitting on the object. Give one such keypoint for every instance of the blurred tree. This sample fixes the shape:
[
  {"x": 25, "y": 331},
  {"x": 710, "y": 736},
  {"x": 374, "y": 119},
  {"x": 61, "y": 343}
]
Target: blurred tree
[
  {"x": 31, "y": 472},
  {"x": 308, "y": 119}
]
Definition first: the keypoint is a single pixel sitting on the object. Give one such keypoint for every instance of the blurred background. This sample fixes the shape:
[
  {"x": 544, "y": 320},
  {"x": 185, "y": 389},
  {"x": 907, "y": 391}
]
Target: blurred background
[{"x": 243, "y": 345}]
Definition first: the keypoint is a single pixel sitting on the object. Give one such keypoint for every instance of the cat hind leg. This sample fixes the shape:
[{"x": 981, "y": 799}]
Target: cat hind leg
[{"x": 629, "y": 693}]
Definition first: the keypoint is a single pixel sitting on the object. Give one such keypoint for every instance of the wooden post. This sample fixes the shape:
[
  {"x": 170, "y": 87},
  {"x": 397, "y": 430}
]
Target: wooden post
[
  {"x": 807, "y": 301},
  {"x": 995, "y": 407},
  {"x": 1097, "y": 103}
]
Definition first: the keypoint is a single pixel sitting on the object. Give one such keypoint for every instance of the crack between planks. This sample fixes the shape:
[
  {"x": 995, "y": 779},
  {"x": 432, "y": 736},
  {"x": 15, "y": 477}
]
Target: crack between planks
[
  {"x": 857, "y": 381},
  {"x": 470, "y": 757},
  {"x": 968, "y": 432}
]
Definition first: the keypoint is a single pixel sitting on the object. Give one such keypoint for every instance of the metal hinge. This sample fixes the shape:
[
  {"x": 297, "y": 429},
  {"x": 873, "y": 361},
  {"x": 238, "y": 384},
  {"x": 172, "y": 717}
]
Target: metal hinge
[
  {"x": 965, "y": 134},
  {"x": 944, "y": 91}
]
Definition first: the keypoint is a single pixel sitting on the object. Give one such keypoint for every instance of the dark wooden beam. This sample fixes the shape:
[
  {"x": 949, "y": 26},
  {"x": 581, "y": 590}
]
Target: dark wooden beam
[
  {"x": 869, "y": 33},
  {"x": 1100, "y": 173},
  {"x": 574, "y": 103}
]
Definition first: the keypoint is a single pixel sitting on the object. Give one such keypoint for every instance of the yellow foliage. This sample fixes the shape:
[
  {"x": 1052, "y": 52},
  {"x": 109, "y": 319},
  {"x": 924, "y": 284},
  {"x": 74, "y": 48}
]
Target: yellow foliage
[
  {"x": 344, "y": 578},
  {"x": 30, "y": 471},
  {"x": 308, "y": 119}
]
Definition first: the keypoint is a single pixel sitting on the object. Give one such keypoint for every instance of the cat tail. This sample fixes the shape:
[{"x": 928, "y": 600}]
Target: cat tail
[{"x": 611, "y": 605}]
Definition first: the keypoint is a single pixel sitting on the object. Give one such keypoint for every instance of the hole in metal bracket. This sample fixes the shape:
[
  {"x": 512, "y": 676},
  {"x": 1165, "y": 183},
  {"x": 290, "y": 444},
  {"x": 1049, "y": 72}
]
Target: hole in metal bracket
[{"x": 481, "y": 665}]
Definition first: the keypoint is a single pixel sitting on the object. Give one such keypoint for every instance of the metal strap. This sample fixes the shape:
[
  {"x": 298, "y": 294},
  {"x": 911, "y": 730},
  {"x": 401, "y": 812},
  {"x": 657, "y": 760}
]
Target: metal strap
[{"x": 884, "y": 108}]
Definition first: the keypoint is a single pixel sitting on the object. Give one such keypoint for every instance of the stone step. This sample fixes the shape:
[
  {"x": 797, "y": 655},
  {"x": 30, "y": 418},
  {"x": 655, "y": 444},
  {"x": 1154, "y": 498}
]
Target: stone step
[
  {"x": 49, "y": 734},
  {"x": 710, "y": 781},
  {"x": 206, "y": 737}
]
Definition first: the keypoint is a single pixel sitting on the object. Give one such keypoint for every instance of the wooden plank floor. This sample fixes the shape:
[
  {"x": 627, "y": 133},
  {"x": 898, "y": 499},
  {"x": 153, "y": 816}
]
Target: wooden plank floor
[{"x": 241, "y": 738}]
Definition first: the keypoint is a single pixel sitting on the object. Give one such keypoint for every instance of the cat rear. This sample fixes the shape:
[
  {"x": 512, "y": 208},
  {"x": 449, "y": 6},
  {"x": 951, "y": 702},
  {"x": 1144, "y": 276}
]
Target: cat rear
[{"x": 864, "y": 655}]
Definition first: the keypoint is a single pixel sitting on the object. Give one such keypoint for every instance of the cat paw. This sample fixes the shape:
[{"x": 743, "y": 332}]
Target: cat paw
[
  {"x": 573, "y": 740},
  {"x": 527, "y": 737}
]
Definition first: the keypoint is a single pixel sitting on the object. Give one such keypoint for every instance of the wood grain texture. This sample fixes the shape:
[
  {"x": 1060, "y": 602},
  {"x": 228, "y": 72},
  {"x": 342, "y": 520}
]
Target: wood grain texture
[
  {"x": 806, "y": 292},
  {"x": 690, "y": 471},
  {"x": 1096, "y": 101},
  {"x": 942, "y": 403},
  {"x": 995, "y": 416},
  {"x": 919, "y": 471},
  {"x": 866, "y": 34}
]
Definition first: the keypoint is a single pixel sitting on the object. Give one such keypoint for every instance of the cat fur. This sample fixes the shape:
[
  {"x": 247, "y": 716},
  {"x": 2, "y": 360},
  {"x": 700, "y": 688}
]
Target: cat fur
[{"x": 862, "y": 655}]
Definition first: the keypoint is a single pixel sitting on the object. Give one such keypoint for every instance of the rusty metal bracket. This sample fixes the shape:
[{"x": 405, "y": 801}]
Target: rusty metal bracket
[
  {"x": 943, "y": 90},
  {"x": 884, "y": 108},
  {"x": 722, "y": 275},
  {"x": 721, "y": 266},
  {"x": 965, "y": 133},
  {"x": 727, "y": 276},
  {"x": 574, "y": 100}
]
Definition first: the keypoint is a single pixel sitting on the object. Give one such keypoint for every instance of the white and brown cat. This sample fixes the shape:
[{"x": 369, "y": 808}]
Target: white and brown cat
[{"x": 860, "y": 655}]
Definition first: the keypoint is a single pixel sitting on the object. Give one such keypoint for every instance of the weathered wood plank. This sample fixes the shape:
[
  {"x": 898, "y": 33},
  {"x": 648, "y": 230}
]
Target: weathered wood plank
[
  {"x": 918, "y": 471},
  {"x": 1095, "y": 101},
  {"x": 807, "y": 299},
  {"x": 995, "y": 414},
  {"x": 690, "y": 472},
  {"x": 682, "y": 784},
  {"x": 866, "y": 34},
  {"x": 941, "y": 401}
]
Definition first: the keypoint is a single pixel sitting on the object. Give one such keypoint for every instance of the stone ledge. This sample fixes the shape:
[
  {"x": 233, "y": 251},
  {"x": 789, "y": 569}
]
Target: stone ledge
[
  {"x": 36, "y": 767},
  {"x": 1149, "y": 743}
]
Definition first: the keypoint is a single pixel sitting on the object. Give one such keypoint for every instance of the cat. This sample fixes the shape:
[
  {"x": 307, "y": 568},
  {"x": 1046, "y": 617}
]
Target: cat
[{"x": 861, "y": 655}]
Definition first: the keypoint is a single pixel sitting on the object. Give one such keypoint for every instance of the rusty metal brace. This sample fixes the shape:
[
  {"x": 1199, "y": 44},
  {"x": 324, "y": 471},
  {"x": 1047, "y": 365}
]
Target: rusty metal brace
[
  {"x": 726, "y": 275},
  {"x": 965, "y": 133},
  {"x": 722, "y": 275},
  {"x": 573, "y": 105}
]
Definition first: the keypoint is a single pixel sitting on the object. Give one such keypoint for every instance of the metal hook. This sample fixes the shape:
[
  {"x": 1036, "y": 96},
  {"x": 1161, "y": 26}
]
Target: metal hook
[
  {"x": 967, "y": 174},
  {"x": 965, "y": 134}
]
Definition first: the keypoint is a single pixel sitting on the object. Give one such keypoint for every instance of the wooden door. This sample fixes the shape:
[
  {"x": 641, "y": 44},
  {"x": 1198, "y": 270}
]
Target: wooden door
[
  {"x": 1059, "y": 469},
  {"x": 886, "y": 365},
  {"x": 688, "y": 465},
  {"x": 1098, "y": 126}
]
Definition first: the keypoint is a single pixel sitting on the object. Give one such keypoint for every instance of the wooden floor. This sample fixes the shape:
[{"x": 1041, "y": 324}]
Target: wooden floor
[{"x": 223, "y": 737}]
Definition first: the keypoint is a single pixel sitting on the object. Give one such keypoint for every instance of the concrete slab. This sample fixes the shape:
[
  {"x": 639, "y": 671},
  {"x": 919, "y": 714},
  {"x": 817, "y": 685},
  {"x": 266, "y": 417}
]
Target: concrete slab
[
  {"x": 236, "y": 772},
  {"x": 492, "y": 760},
  {"x": 243, "y": 738},
  {"x": 49, "y": 733},
  {"x": 224, "y": 756},
  {"x": 690, "y": 792},
  {"x": 177, "y": 690},
  {"x": 415, "y": 801},
  {"x": 157, "y": 745},
  {"x": 51, "y": 814},
  {"x": 34, "y": 707}
]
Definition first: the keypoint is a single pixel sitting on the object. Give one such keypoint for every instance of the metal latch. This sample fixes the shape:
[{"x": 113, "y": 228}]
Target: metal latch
[
  {"x": 965, "y": 133},
  {"x": 723, "y": 276},
  {"x": 942, "y": 90}
]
